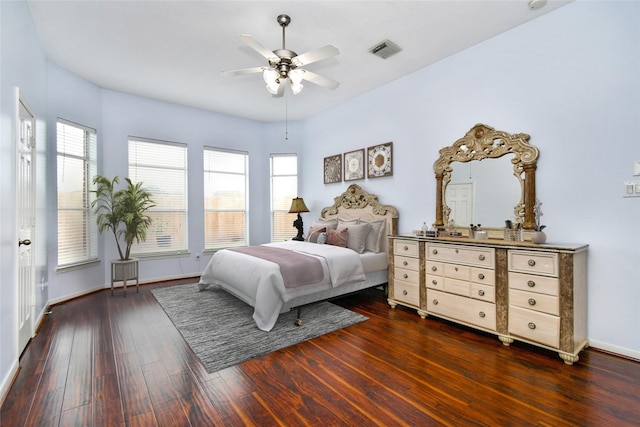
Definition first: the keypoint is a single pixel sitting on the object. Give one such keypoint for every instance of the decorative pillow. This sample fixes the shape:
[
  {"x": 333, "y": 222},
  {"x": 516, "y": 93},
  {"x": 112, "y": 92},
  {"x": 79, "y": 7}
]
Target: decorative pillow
[
  {"x": 357, "y": 236},
  {"x": 312, "y": 236},
  {"x": 322, "y": 238},
  {"x": 375, "y": 236},
  {"x": 338, "y": 238},
  {"x": 327, "y": 223}
]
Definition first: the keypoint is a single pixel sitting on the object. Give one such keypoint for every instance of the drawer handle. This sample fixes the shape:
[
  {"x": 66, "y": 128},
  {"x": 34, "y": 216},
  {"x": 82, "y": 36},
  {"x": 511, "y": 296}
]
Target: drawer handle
[
  {"x": 480, "y": 276},
  {"x": 531, "y": 283},
  {"x": 481, "y": 314},
  {"x": 434, "y": 281},
  {"x": 406, "y": 248},
  {"x": 531, "y": 263},
  {"x": 405, "y": 275},
  {"x": 481, "y": 257},
  {"x": 455, "y": 268},
  {"x": 435, "y": 251},
  {"x": 532, "y": 301},
  {"x": 434, "y": 268},
  {"x": 405, "y": 263},
  {"x": 481, "y": 292},
  {"x": 532, "y": 325},
  {"x": 435, "y": 302},
  {"x": 404, "y": 292},
  {"x": 457, "y": 251}
]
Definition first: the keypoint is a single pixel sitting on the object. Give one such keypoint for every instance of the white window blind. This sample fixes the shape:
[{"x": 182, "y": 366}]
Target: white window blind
[
  {"x": 226, "y": 198},
  {"x": 162, "y": 168},
  {"x": 76, "y": 167},
  {"x": 284, "y": 187}
]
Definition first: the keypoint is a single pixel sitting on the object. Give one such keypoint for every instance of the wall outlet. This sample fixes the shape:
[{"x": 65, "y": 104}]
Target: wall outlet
[{"x": 197, "y": 257}]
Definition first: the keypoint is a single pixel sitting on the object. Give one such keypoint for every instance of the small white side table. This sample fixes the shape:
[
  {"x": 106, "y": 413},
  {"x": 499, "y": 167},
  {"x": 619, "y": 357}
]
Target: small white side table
[{"x": 123, "y": 271}]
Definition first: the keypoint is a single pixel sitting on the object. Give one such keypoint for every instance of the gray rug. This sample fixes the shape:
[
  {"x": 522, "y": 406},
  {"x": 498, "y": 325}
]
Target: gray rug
[{"x": 220, "y": 329}]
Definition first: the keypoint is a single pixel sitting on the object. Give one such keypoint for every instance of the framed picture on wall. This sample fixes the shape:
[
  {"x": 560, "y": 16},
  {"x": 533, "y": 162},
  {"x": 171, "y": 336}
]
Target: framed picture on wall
[
  {"x": 354, "y": 165},
  {"x": 333, "y": 169},
  {"x": 380, "y": 160}
]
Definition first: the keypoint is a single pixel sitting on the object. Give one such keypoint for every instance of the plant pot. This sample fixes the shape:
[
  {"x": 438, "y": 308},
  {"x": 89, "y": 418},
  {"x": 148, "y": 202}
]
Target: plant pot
[{"x": 538, "y": 237}]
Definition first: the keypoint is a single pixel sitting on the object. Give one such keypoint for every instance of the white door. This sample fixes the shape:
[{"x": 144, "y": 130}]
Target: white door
[
  {"x": 460, "y": 199},
  {"x": 26, "y": 221}
]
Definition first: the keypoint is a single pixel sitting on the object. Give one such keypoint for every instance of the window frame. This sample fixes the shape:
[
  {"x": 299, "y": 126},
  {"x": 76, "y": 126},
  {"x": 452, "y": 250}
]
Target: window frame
[
  {"x": 89, "y": 159},
  {"x": 207, "y": 172},
  {"x": 157, "y": 225},
  {"x": 273, "y": 212}
]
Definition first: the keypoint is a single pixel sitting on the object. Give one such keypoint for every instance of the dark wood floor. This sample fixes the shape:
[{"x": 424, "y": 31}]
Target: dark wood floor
[{"x": 110, "y": 361}]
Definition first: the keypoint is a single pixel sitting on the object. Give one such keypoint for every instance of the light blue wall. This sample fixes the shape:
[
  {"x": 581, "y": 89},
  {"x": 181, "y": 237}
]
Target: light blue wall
[
  {"x": 571, "y": 84},
  {"x": 570, "y": 79}
]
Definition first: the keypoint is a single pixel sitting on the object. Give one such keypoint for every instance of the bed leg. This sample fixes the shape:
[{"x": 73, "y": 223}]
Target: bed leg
[{"x": 298, "y": 321}]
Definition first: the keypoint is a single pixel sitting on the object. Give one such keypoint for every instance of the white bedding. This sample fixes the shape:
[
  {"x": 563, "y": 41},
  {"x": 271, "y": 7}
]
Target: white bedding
[{"x": 259, "y": 283}]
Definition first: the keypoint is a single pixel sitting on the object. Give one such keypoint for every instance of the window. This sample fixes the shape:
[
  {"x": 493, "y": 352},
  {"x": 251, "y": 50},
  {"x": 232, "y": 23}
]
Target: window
[
  {"x": 284, "y": 187},
  {"x": 226, "y": 198},
  {"x": 77, "y": 229},
  {"x": 162, "y": 168}
]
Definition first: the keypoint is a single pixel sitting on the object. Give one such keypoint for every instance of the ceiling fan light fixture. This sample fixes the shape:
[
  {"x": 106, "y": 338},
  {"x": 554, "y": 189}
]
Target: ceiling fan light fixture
[
  {"x": 296, "y": 76},
  {"x": 273, "y": 88},
  {"x": 270, "y": 76},
  {"x": 296, "y": 88}
]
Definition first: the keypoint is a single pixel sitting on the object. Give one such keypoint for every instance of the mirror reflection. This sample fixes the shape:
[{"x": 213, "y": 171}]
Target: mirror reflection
[{"x": 483, "y": 192}]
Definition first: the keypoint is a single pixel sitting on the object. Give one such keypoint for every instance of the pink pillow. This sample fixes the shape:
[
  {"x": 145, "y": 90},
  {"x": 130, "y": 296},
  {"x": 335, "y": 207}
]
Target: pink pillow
[{"x": 338, "y": 238}]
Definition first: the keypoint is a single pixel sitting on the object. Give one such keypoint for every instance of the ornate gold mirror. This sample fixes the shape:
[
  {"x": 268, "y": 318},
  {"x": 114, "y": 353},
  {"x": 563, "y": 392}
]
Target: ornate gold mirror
[{"x": 483, "y": 142}]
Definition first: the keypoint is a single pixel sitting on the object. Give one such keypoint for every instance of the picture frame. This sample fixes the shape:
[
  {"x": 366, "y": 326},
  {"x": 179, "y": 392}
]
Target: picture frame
[
  {"x": 380, "y": 160},
  {"x": 333, "y": 169},
  {"x": 354, "y": 165}
]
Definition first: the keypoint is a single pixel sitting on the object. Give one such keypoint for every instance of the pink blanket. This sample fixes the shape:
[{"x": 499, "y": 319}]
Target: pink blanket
[{"x": 297, "y": 269}]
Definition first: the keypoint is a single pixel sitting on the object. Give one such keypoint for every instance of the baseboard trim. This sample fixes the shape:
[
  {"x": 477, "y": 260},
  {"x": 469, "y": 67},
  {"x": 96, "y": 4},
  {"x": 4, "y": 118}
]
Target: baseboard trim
[
  {"x": 8, "y": 380},
  {"x": 615, "y": 350}
]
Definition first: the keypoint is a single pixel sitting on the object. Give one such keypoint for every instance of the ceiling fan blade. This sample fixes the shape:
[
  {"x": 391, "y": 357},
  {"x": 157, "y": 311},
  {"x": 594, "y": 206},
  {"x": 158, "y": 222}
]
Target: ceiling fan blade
[
  {"x": 242, "y": 71},
  {"x": 315, "y": 55},
  {"x": 258, "y": 47},
  {"x": 319, "y": 80},
  {"x": 280, "y": 89}
]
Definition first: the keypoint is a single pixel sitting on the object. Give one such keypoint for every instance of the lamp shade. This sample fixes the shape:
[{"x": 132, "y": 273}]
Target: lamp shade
[{"x": 297, "y": 206}]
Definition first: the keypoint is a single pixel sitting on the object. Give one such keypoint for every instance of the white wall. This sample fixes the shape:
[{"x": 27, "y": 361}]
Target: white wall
[{"x": 570, "y": 80}]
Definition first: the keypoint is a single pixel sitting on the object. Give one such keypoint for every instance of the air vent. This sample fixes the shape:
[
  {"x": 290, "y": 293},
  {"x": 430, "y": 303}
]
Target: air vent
[{"x": 385, "y": 49}]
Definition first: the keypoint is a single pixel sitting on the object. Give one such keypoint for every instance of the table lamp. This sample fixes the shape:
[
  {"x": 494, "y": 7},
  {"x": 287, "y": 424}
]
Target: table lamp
[{"x": 297, "y": 206}]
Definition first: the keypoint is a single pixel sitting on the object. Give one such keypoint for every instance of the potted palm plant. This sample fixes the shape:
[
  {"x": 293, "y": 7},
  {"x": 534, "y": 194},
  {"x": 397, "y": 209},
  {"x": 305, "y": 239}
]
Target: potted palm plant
[{"x": 123, "y": 213}]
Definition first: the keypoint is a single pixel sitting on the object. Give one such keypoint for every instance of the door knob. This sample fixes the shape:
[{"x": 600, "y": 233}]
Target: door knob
[{"x": 25, "y": 242}]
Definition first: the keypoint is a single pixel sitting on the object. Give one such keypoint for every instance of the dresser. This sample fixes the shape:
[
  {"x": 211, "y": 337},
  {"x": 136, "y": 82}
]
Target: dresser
[{"x": 518, "y": 291}]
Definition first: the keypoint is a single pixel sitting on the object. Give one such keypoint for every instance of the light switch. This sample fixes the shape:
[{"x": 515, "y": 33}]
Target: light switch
[
  {"x": 629, "y": 189},
  {"x": 636, "y": 169}
]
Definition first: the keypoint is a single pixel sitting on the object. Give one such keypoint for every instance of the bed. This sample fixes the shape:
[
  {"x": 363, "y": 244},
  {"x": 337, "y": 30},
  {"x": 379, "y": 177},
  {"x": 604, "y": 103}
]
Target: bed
[{"x": 276, "y": 277}]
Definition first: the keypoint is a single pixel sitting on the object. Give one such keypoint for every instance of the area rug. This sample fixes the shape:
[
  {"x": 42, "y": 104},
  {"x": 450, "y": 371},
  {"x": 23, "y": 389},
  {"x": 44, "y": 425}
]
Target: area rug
[{"x": 220, "y": 329}]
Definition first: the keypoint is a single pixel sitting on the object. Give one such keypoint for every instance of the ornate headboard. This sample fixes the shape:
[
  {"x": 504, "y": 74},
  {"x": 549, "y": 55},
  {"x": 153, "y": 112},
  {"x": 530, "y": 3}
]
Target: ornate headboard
[{"x": 357, "y": 203}]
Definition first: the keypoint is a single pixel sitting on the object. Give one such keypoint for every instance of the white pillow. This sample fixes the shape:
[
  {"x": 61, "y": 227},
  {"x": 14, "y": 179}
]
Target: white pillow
[
  {"x": 348, "y": 222},
  {"x": 357, "y": 236},
  {"x": 325, "y": 223},
  {"x": 375, "y": 236}
]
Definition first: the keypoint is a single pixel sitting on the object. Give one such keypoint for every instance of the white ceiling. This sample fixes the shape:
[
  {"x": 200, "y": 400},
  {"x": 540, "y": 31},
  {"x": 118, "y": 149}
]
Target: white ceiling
[{"x": 174, "y": 50}]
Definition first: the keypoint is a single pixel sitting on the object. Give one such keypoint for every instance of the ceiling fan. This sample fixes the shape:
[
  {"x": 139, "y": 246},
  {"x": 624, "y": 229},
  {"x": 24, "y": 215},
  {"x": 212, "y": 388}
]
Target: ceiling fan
[{"x": 284, "y": 64}]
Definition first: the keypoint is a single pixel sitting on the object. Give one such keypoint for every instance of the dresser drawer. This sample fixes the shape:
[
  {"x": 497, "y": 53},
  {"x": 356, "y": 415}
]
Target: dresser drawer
[
  {"x": 434, "y": 282},
  {"x": 454, "y": 271},
  {"x": 434, "y": 268},
  {"x": 533, "y": 301},
  {"x": 477, "y": 256},
  {"x": 483, "y": 292},
  {"x": 459, "y": 287},
  {"x": 529, "y": 282},
  {"x": 405, "y": 275},
  {"x": 483, "y": 275},
  {"x": 466, "y": 310},
  {"x": 406, "y": 292},
  {"x": 534, "y": 262},
  {"x": 407, "y": 262},
  {"x": 406, "y": 247},
  {"x": 535, "y": 326}
]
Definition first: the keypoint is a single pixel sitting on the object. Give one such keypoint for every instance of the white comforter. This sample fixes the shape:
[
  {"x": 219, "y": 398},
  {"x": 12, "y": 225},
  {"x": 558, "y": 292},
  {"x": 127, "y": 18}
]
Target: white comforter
[{"x": 259, "y": 283}]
